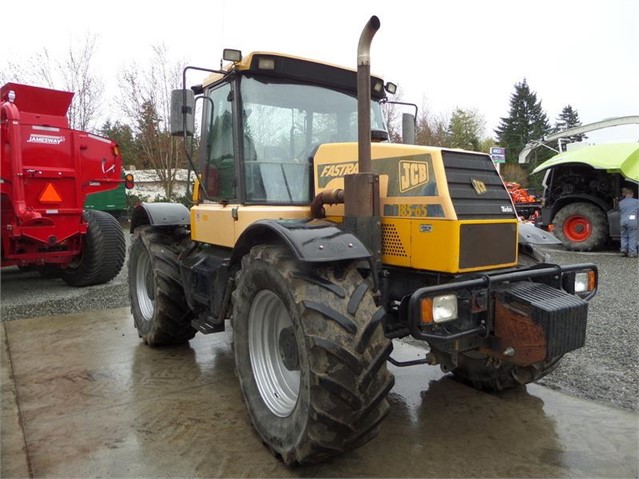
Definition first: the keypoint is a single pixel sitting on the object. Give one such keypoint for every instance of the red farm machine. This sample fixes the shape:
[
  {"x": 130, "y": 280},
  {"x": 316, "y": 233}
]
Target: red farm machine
[
  {"x": 527, "y": 205},
  {"x": 48, "y": 169}
]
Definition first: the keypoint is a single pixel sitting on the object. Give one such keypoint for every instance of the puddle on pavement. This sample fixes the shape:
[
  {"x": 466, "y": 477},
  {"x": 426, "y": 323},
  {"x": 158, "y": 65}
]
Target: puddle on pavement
[{"x": 97, "y": 402}]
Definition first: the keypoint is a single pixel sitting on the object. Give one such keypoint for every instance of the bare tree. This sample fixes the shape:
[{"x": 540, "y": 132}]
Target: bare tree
[
  {"x": 431, "y": 128},
  {"x": 74, "y": 72},
  {"x": 145, "y": 99},
  {"x": 78, "y": 77},
  {"x": 393, "y": 114}
]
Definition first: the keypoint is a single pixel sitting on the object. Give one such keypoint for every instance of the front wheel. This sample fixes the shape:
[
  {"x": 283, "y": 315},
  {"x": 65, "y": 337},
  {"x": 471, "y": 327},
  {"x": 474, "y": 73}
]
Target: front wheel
[
  {"x": 485, "y": 373},
  {"x": 310, "y": 354},
  {"x": 158, "y": 305}
]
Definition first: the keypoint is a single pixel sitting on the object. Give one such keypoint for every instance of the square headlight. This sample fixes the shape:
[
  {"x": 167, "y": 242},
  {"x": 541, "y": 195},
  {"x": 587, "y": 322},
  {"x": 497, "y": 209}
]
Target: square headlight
[
  {"x": 444, "y": 308},
  {"x": 439, "y": 309},
  {"x": 582, "y": 282}
]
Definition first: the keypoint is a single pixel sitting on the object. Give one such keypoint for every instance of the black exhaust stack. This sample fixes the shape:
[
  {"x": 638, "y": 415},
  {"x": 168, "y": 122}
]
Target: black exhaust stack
[
  {"x": 361, "y": 190},
  {"x": 364, "y": 94}
]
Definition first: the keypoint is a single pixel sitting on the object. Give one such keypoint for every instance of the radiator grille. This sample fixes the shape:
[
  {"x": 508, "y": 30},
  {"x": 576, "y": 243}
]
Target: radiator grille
[
  {"x": 487, "y": 244},
  {"x": 391, "y": 242},
  {"x": 467, "y": 173}
]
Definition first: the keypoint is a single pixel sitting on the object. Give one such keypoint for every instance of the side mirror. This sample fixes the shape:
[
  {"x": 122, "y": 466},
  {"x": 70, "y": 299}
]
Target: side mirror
[
  {"x": 408, "y": 128},
  {"x": 182, "y": 110}
]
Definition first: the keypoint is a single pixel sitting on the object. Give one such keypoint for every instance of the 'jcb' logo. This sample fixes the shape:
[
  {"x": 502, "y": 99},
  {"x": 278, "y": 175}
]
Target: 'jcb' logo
[
  {"x": 479, "y": 186},
  {"x": 412, "y": 174}
]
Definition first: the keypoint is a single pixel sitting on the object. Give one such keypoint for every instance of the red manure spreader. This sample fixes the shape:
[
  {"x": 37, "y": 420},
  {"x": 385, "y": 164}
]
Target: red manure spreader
[{"x": 48, "y": 169}]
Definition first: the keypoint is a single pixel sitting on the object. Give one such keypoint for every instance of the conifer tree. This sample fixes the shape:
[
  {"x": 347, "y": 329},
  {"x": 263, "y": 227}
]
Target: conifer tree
[
  {"x": 569, "y": 118},
  {"x": 465, "y": 130},
  {"x": 526, "y": 121}
]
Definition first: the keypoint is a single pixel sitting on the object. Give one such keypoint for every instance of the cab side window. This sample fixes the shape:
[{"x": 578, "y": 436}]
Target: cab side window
[{"x": 218, "y": 174}]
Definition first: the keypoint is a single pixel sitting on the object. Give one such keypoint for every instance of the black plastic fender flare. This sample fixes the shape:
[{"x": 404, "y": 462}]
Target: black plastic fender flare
[
  {"x": 530, "y": 234},
  {"x": 314, "y": 241},
  {"x": 160, "y": 214}
]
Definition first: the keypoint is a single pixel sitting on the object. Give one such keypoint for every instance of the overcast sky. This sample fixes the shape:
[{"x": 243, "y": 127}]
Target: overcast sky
[{"x": 446, "y": 54}]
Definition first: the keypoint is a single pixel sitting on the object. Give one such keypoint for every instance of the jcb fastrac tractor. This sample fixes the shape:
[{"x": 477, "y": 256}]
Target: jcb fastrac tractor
[{"x": 320, "y": 247}]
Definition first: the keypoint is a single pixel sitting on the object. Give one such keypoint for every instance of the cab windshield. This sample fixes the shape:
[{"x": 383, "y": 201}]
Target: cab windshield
[{"x": 282, "y": 126}]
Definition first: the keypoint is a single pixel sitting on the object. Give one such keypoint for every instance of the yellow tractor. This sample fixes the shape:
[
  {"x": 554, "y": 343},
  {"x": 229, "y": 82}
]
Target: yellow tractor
[{"x": 320, "y": 246}]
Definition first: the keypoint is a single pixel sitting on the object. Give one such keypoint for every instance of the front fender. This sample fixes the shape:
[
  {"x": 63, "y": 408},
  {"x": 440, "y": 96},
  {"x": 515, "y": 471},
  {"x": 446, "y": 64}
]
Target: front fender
[
  {"x": 160, "y": 214},
  {"x": 313, "y": 241},
  {"x": 530, "y": 234}
]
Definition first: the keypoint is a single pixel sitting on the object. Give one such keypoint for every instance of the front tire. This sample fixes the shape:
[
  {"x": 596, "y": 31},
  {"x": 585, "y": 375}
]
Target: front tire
[
  {"x": 310, "y": 354},
  {"x": 486, "y": 374},
  {"x": 581, "y": 226},
  {"x": 158, "y": 303}
]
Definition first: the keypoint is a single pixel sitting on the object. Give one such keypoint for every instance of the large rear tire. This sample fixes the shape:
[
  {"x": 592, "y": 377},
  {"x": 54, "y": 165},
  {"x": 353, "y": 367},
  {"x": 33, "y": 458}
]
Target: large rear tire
[
  {"x": 158, "y": 303},
  {"x": 310, "y": 354},
  {"x": 581, "y": 226},
  {"x": 103, "y": 252}
]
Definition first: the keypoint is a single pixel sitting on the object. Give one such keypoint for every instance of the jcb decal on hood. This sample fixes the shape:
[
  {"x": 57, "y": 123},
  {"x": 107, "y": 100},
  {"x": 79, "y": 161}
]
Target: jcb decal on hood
[
  {"x": 405, "y": 174},
  {"x": 412, "y": 174}
]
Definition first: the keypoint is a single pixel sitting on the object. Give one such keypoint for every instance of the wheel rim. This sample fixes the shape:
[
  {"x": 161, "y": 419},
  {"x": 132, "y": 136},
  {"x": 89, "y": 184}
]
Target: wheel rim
[
  {"x": 278, "y": 385},
  {"x": 144, "y": 287},
  {"x": 577, "y": 228}
]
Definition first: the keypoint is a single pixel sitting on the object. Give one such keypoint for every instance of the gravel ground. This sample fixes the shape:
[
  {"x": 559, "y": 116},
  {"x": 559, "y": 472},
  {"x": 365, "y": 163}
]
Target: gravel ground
[
  {"x": 26, "y": 294},
  {"x": 605, "y": 370}
]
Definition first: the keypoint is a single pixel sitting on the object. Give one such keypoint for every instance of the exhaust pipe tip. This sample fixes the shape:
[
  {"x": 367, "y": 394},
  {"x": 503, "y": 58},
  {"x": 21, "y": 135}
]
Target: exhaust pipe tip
[
  {"x": 364, "y": 94},
  {"x": 374, "y": 22},
  {"x": 365, "y": 39}
]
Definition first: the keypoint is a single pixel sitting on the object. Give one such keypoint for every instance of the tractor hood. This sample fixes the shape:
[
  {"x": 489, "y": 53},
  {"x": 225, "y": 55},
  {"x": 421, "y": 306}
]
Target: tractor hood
[{"x": 622, "y": 158}]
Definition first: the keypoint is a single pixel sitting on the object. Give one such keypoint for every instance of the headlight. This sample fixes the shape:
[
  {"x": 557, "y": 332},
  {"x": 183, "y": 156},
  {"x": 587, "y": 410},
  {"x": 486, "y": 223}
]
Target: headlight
[
  {"x": 584, "y": 281},
  {"x": 439, "y": 309}
]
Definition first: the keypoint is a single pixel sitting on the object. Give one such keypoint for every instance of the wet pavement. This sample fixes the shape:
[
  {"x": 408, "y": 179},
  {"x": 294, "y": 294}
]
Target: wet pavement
[{"x": 82, "y": 397}]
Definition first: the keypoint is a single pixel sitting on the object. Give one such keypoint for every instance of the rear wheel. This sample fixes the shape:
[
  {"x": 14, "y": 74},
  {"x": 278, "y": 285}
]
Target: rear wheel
[
  {"x": 581, "y": 226},
  {"x": 158, "y": 304},
  {"x": 103, "y": 252},
  {"x": 310, "y": 354}
]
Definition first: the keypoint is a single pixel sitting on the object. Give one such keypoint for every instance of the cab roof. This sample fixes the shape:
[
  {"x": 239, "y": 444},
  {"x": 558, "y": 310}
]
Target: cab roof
[{"x": 278, "y": 65}]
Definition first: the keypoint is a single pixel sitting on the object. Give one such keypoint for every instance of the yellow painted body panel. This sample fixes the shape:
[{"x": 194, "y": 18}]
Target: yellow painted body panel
[
  {"x": 214, "y": 223},
  {"x": 431, "y": 245},
  {"x": 420, "y": 228},
  {"x": 334, "y": 160}
]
